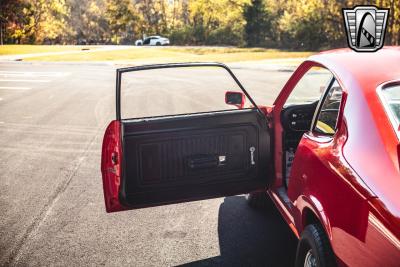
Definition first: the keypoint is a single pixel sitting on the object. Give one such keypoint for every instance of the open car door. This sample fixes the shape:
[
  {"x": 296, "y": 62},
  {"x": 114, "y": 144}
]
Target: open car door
[{"x": 170, "y": 159}]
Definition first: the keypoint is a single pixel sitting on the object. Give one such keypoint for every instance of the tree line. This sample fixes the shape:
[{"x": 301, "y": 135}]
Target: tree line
[{"x": 290, "y": 24}]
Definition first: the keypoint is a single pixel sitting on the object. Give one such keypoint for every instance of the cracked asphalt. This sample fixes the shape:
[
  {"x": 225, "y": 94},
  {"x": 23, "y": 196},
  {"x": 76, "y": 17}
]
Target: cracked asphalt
[{"x": 52, "y": 119}]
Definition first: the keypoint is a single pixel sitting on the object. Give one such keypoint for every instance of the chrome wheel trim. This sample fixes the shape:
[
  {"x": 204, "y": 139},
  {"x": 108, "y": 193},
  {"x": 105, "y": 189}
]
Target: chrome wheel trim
[{"x": 310, "y": 260}]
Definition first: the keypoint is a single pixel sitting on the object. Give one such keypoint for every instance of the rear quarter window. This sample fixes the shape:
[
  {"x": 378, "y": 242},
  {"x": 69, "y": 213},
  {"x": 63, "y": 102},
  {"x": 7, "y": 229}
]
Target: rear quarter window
[
  {"x": 390, "y": 98},
  {"x": 326, "y": 122}
]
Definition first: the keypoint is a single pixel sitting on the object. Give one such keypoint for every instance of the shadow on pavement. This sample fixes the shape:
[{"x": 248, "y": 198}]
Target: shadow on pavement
[{"x": 249, "y": 237}]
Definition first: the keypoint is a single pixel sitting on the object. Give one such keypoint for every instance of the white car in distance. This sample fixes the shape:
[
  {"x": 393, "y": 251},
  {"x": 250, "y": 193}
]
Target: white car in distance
[{"x": 153, "y": 40}]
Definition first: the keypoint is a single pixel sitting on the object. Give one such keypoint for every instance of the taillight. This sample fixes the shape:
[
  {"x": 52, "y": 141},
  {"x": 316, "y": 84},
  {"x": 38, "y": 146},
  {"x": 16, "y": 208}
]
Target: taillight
[{"x": 111, "y": 159}]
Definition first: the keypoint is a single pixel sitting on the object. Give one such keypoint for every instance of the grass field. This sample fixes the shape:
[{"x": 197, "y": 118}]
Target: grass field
[{"x": 150, "y": 54}]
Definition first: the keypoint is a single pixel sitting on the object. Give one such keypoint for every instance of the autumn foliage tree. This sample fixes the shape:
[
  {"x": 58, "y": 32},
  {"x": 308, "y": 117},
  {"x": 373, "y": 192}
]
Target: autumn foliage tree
[{"x": 291, "y": 24}]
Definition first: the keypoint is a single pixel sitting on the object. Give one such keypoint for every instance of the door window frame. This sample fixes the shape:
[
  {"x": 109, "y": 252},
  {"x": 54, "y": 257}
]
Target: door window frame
[{"x": 120, "y": 71}]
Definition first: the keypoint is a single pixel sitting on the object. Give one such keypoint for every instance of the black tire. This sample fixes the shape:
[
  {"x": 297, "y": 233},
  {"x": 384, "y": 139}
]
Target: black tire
[
  {"x": 158, "y": 44},
  {"x": 259, "y": 200},
  {"x": 313, "y": 240}
]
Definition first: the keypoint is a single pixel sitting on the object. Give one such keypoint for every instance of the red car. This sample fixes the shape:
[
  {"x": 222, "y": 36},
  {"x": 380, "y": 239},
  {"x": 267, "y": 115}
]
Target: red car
[{"x": 327, "y": 153}]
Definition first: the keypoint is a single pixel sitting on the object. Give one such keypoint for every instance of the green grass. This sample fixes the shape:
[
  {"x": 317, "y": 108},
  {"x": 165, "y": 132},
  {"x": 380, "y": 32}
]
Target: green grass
[
  {"x": 156, "y": 54},
  {"x": 33, "y": 49}
]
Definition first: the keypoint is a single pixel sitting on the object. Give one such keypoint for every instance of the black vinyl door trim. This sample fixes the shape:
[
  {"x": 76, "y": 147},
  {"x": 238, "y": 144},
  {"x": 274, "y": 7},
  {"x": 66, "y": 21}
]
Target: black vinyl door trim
[{"x": 178, "y": 159}]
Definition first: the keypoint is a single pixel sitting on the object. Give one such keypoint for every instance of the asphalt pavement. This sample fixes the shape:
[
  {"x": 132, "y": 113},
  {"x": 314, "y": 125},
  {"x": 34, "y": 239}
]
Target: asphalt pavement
[{"x": 52, "y": 120}]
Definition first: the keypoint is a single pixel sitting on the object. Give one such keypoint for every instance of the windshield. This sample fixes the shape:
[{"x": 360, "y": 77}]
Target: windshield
[{"x": 391, "y": 100}]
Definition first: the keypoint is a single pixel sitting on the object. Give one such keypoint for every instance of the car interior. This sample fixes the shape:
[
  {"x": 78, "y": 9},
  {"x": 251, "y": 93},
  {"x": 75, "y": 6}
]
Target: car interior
[{"x": 297, "y": 119}]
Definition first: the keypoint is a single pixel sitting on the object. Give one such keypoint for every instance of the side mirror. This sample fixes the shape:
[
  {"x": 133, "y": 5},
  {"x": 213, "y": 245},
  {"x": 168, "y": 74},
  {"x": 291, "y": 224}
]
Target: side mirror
[{"x": 235, "y": 98}]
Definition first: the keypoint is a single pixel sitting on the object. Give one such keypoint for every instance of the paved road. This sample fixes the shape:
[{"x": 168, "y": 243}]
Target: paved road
[{"x": 52, "y": 118}]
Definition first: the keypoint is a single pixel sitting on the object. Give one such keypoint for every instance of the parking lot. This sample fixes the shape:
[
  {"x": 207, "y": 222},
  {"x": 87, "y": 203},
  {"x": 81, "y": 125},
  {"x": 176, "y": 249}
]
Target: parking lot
[{"x": 52, "y": 118}]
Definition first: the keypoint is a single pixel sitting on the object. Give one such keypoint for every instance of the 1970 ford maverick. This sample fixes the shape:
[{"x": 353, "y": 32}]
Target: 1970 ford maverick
[{"x": 328, "y": 159}]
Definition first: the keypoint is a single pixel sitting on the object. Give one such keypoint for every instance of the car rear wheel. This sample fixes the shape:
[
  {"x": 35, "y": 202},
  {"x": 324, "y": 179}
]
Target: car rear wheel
[
  {"x": 259, "y": 200},
  {"x": 314, "y": 249},
  {"x": 158, "y": 43}
]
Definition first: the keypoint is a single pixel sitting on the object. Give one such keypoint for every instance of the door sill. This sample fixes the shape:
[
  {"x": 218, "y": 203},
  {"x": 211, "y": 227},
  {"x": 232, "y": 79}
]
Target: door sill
[
  {"x": 283, "y": 203},
  {"x": 282, "y": 193}
]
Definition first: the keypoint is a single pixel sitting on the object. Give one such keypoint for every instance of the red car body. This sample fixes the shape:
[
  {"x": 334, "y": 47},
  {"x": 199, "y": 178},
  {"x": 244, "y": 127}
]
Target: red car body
[
  {"x": 348, "y": 183},
  {"x": 357, "y": 201}
]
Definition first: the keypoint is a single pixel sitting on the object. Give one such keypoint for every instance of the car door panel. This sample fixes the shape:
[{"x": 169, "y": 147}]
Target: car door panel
[
  {"x": 167, "y": 160},
  {"x": 171, "y": 159}
]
